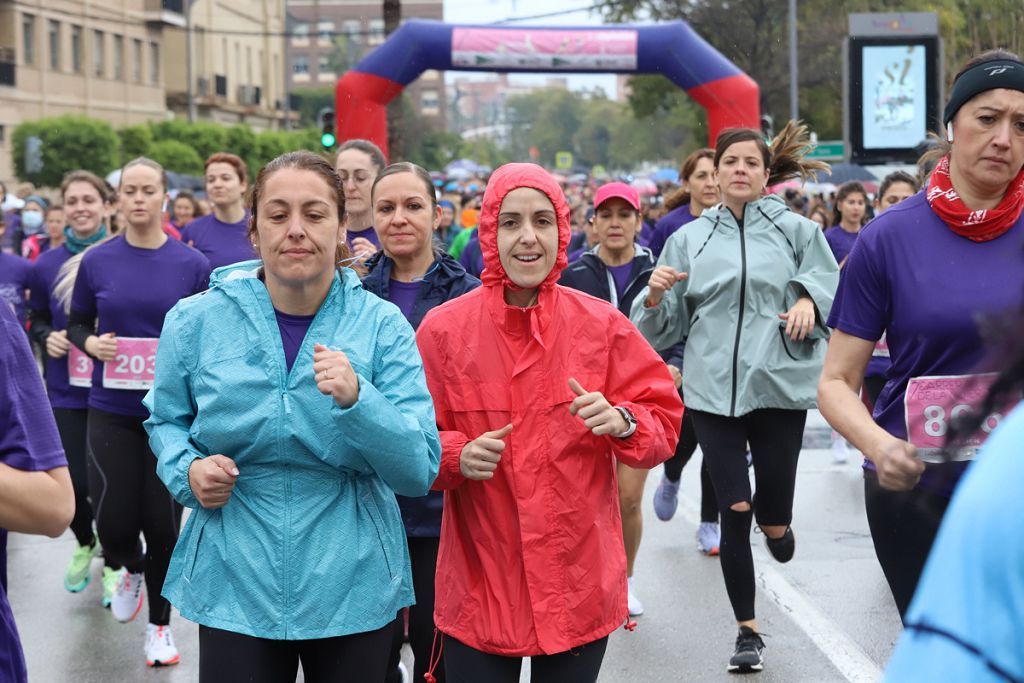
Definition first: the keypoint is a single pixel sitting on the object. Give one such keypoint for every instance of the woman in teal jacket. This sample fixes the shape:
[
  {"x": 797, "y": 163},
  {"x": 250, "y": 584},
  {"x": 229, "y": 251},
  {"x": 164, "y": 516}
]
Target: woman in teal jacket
[
  {"x": 289, "y": 407},
  {"x": 749, "y": 286}
]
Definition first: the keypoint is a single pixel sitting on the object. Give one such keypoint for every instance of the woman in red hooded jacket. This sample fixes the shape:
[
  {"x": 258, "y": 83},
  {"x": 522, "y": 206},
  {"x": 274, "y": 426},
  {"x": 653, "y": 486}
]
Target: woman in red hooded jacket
[{"x": 538, "y": 390}]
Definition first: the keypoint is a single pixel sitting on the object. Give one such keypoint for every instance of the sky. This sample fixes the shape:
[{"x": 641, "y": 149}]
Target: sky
[{"x": 576, "y": 13}]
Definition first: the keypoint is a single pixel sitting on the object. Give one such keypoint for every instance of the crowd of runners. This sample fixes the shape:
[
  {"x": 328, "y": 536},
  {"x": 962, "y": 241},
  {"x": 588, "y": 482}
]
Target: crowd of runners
[{"x": 399, "y": 409}]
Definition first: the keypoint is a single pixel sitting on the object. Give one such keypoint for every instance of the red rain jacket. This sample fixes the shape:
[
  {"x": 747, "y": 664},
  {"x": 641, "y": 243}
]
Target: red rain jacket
[{"x": 532, "y": 561}]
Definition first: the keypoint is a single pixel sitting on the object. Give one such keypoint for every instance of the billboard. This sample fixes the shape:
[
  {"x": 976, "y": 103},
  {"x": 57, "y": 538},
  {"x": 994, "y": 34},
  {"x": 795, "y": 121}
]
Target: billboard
[{"x": 893, "y": 97}]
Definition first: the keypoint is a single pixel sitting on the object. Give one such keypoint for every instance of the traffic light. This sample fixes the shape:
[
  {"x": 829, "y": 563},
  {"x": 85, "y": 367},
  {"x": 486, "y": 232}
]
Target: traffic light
[
  {"x": 328, "y": 139},
  {"x": 768, "y": 127}
]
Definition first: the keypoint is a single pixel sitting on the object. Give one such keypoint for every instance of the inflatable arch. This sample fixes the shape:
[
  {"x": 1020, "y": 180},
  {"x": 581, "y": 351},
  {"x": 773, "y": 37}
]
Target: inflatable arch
[{"x": 730, "y": 97}]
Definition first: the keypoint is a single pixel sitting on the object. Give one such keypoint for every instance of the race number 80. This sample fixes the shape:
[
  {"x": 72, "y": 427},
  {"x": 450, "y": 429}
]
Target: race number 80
[{"x": 937, "y": 425}]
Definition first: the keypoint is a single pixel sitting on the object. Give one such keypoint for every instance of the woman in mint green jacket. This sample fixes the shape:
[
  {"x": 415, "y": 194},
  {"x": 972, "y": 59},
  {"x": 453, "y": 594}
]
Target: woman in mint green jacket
[
  {"x": 749, "y": 286},
  {"x": 289, "y": 407}
]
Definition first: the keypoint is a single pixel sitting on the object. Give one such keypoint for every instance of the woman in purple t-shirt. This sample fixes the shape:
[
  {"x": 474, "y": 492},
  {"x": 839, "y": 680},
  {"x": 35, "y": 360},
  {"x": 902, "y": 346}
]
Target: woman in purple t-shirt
[
  {"x": 931, "y": 273},
  {"x": 123, "y": 289},
  {"x": 358, "y": 164},
  {"x": 86, "y": 198},
  {"x": 849, "y": 214}
]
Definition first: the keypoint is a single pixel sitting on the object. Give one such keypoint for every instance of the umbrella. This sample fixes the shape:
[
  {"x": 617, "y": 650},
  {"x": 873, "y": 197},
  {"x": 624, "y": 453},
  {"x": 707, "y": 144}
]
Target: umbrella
[
  {"x": 466, "y": 165},
  {"x": 844, "y": 173},
  {"x": 666, "y": 175},
  {"x": 645, "y": 186}
]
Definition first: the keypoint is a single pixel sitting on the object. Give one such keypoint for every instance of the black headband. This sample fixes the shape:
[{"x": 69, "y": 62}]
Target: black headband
[{"x": 981, "y": 77}]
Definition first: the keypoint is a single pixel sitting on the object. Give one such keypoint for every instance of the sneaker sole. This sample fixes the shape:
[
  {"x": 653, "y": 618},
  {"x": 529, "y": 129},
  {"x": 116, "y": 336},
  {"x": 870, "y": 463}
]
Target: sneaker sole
[
  {"x": 158, "y": 663},
  {"x": 77, "y": 588},
  {"x": 744, "y": 668}
]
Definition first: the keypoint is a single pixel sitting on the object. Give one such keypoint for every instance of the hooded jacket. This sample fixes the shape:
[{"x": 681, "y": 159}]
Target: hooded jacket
[
  {"x": 443, "y": 282},
  {"x": 741, "y": 277},
  {"x": 310, "y": 544},
  {"x": 532, "y": 561},
  {"x": 590, "y": 274}
]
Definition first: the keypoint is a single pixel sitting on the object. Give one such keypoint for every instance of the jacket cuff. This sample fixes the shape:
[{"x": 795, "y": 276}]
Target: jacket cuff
[
  {"x": 185, "y": 495},
  {"x": 449, "y": 475}
]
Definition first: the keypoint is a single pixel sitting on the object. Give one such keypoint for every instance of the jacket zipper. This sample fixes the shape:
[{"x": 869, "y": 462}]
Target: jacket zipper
[{"x": 739, "y": 322}]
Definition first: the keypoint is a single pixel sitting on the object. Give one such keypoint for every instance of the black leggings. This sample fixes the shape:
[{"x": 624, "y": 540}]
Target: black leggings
[
  {"x": 468, "y": 665},
  {"x": 775, "y": 437},
  {"x": 873, "y": 389},
  {"x": 423, "y": 554},
  {"x": 903, "y": 527},
  {"x": 129, "y": 498},
  {"x": 228, "y": 656},
  {"x": 674, "y": 469}
]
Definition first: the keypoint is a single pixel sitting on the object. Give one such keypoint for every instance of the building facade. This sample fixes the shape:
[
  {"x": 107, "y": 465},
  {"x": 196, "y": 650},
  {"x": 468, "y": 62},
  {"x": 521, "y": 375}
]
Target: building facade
[
  {"x": 104, "y": 60},
  {"x": 328, "y": 37}
]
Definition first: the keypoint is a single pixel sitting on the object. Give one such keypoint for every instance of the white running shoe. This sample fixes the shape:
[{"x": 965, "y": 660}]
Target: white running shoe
[
  {"x": 840, "y": 449},
  {"x": 160, "y": 650},
  {"x": 636, "y": 608},
  {"x": 127, "y": 601},
  {"x": 404, "y": 671}
]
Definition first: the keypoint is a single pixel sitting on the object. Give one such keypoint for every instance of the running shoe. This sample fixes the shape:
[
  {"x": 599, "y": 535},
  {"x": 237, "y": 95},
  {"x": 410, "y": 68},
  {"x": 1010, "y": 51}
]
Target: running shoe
[
  {"x": 76, "y": 576},
  {"x": 782, "y": 549},
  {"x": 709, "y": 537},
  {"x": 748, "y": 656},
  {"x": 160, "y": 650},
  {"x": 666, "y": 499},
  {"x": 404, "y": 672},
  {"x": 636, "y": 608},
  {"x": 111, "y": 577},
  {"x": 126, "y": 603},
  {"x": 840, "y": 449}
]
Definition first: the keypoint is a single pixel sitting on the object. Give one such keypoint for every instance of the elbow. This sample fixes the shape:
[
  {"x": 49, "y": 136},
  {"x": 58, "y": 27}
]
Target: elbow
[{"x": 60, "y": 515}]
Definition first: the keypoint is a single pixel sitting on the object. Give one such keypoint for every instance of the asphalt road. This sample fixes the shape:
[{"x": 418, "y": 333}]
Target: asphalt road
[{"x": 827, "y": 614}]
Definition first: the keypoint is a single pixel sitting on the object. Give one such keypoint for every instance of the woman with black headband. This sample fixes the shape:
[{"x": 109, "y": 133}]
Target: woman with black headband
[{"x": 932, "y": 273}]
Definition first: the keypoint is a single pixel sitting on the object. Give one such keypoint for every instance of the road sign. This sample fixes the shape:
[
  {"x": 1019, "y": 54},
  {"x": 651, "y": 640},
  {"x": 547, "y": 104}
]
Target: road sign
[
  {"x": 830, "y": 150},
  {"x": 563, "y": 161}
]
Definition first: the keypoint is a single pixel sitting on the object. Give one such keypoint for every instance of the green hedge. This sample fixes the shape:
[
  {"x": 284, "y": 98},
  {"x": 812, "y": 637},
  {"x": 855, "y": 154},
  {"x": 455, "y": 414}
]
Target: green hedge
[{"x": 78, "y": 142}]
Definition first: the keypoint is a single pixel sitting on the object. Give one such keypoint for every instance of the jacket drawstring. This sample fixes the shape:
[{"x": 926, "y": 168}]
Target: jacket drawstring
[{"x": 429, "y": 676}]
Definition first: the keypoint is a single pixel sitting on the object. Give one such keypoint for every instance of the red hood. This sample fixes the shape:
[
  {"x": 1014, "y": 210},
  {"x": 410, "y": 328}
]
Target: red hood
[{"x": 507, "y": 178}]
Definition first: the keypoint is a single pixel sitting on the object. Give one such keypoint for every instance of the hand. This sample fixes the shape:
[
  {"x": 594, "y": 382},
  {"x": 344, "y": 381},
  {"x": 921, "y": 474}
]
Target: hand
[
  {"x": 662, "y": 279},
  {"x": 480, "y": 457},
  {"x": 335, "y": 376},
  {"x": 799, "y": 319},
  {"x": 363, "y": 248},
  {"x": 599, "y": 416},
  {"x": 102, "y": 347},
  {"x": 677, "y": 376},
  {"x": 898, "y": 466},
  {"x": 57, "y": 344},
  {"x": 212, "y": 480}
]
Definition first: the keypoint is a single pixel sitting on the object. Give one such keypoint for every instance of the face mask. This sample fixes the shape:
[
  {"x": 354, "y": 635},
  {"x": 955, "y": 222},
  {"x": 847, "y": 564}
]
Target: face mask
[{"x": 32, "y": 221}]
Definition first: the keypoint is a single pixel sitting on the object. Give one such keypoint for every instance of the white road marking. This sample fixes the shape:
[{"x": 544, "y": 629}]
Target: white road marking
[{"x": 834, "y": 643}]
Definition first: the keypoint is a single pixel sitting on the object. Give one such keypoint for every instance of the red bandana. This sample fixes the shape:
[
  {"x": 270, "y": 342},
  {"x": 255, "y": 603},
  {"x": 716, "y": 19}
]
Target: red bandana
[{"x": 978, "y": 226}]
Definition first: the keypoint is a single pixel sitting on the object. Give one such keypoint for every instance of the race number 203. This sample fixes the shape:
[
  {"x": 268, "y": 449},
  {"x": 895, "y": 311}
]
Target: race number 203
[
  {"x": 932, "y": 404},
  {"x": 133, "y": 366},
  {"x": 79, "y": 368}
]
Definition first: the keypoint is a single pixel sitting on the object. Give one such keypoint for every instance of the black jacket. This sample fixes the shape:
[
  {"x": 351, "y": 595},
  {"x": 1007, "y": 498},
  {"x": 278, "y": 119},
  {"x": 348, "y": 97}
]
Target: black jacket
[
  {"x": 445, "y": 280},
  {"x": 590, "y": 274}
]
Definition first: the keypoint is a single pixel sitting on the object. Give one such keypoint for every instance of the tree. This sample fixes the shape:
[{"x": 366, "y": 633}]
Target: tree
[
  {"x": 68, "y": 143},
  {"x": 135, "y": 141},
  {"x": 311, "y": 101},
  {"x": 176, "y": 156}
]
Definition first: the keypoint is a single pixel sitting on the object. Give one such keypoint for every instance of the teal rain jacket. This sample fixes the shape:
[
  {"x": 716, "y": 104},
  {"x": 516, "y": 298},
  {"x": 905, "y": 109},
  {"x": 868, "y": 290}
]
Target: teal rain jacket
[
  {"x": 738, "y": 358},
  {"x": 310, "y": 544}
]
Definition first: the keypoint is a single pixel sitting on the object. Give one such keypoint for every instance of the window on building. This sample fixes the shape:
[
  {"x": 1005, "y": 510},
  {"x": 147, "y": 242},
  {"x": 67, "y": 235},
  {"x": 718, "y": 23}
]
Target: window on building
[
  {"x": 300, "y": 64},
  {"x": 28, "y": 38},
  {"x": 323, "y": 64},
  {"x": 154, "y": 63},
  {"x": 118, "y": 58},
  {"x": 376, "y": 31},
  {"x": 76, "y": 49},
  {"x": 325, "y": 31},
  {"x": 54, "y": 40},
  {"x": 136, "y": 60},
  {"x": 429, "y": 100},
  {"x": 352, "y": 27},
  {"x": 98, "y": 52},
  {"x": 300, "y": 33}
]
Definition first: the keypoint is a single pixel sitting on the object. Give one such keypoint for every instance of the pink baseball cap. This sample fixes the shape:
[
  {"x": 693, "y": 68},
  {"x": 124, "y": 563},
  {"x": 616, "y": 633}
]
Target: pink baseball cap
[{"x": 620, "y": 190}]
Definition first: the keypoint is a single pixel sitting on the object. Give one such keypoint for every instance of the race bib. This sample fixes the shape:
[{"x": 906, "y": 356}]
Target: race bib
[
  {"x": 932, "y": 403},
  {"x": 79, "y": 368},
  {"x": 881, "y": 348},
  {"x": 134, "y": 364}
]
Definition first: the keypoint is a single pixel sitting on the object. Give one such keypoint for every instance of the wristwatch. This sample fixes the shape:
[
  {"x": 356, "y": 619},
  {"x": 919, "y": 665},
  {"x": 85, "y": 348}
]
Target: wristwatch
[{"x": 630, "y": 420}]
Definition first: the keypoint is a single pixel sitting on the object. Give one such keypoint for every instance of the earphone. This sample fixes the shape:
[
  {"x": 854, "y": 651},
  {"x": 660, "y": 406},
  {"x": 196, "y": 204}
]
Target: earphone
[{"x": 949, "y": 131}]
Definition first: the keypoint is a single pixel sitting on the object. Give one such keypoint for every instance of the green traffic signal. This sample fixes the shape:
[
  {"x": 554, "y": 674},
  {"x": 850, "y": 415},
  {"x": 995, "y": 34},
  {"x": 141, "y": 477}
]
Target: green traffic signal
[{"x": 327, "y": 140}]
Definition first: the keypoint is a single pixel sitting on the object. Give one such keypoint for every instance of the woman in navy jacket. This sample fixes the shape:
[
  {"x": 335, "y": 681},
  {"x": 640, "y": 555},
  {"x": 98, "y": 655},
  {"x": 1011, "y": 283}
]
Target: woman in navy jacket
[{"x": 416, "y": 275}]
